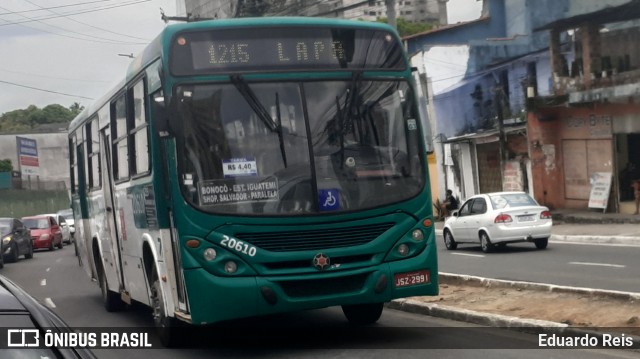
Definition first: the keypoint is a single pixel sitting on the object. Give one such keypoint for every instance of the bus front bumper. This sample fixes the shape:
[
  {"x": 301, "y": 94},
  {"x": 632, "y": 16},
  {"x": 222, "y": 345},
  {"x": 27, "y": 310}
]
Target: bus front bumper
[{"x": 222, "y": 298}]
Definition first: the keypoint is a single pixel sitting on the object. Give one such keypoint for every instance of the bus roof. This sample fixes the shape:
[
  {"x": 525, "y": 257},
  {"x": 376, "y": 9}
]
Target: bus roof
[{"x": 157, "y": 46}]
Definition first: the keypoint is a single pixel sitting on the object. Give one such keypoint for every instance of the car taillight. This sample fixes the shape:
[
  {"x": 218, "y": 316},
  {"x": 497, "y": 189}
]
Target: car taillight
[
  {"x": 503, "y": 218},
  {"x": 545, "y": 215}
]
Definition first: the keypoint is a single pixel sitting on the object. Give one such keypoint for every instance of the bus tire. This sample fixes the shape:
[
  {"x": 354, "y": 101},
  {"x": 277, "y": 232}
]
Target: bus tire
[
  {"x": 363, "y": 314},
  {"x": 166, "y": 327},
  {"x": 110, "y": 299}
]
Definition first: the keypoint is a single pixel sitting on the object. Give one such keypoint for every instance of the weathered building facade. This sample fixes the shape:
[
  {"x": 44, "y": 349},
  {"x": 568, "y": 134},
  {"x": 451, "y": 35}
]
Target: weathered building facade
[
  {"x": 591, "y": 123},
  {"x": 481, "y": 123}
]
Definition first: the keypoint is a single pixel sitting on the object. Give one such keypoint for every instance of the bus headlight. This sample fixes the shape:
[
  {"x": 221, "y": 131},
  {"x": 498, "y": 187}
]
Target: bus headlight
[
  {"x": 210, "y": 254},
  {"x": 403, "y": 249},
  {"x": 417, "y": 235},
  {"x": 230, "y": 267}
]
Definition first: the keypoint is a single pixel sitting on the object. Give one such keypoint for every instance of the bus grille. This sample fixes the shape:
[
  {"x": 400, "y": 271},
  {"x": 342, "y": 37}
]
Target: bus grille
[
  {"x": 290, "y": 241},
  {"x": 321, "y": 287}
]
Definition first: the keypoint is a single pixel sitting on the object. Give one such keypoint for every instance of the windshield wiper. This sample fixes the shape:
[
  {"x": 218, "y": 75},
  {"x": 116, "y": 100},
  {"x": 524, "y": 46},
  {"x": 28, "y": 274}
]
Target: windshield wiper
[
  {"x": 345, "y": 119},
  {"x": 253, "y": 102},
  {"x": 280, "y": 136}
]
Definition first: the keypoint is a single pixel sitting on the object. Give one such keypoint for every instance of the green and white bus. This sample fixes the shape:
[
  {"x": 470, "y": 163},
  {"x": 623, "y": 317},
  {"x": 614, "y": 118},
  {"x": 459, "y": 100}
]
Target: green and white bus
[{"x": 255, "y": 166}]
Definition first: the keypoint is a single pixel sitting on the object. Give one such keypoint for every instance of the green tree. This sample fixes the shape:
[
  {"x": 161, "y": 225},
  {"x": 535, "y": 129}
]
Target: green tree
[
  {"x": 5, "y": 165},
  {"x": 406, "y": 28},
  {"x": 32, "y": 116},
  {"x": 75, "y": 109}
]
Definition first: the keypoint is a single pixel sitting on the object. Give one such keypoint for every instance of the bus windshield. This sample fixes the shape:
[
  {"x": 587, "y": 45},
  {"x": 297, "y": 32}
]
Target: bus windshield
[{"x": 292, "y": 148}]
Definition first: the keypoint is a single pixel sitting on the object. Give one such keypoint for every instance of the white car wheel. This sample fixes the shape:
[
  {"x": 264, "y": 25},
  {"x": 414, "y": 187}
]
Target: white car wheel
[
  {"x": 485, "y": 243},
  {"x": 449, "y": 242}
]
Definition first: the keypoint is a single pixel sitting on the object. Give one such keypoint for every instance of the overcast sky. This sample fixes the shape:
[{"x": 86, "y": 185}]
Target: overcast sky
[{"x": 66, "y": 51}]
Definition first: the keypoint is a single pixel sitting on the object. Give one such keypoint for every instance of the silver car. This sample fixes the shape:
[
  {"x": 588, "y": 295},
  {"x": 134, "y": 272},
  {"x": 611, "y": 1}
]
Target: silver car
[
  {"x": 64, "y": 227},
  {"x": 67, "y": 214},
  {"x": 497, "y": 219}
]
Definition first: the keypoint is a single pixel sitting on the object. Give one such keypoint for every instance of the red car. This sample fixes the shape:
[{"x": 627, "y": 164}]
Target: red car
[{"x": 45, "y": 231}]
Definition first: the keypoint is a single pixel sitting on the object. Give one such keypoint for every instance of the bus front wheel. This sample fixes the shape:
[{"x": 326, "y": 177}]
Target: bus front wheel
[
  {"x": 363, "y": 314},
  {"x": 165, "y": 325},
  {"x": 110, "y": 299}
]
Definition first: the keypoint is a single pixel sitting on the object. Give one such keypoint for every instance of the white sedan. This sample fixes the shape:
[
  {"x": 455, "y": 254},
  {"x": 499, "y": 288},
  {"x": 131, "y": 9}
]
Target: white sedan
[{"x": 497, "y": 219}]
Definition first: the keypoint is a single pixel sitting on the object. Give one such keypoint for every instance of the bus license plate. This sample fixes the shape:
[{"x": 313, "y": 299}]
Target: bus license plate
[{"x": 411, "y": 278}]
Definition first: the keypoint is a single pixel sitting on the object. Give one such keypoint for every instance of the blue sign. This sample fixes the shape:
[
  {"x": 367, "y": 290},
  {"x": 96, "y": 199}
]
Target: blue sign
[
  {"x": 329, "y": 199},
  {"x": 27, "y": 146}
]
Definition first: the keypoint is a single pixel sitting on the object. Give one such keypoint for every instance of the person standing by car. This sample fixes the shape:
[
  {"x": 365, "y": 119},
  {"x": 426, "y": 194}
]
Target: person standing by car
[
  {"x": 449, "y": 204},
  {"x": 636, "y": 194}
]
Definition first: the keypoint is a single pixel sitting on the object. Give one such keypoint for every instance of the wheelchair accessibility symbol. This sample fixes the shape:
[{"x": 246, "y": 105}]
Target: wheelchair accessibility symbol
[{"x": 329, "y": 199}]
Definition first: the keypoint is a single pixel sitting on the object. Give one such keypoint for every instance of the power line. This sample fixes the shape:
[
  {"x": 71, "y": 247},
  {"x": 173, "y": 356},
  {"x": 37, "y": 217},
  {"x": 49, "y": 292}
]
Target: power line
[
  {"x": 73, "y": 37},
  {"x": 82, "y": 23},
  {"x": 77, "y": 13},
  {"x": 53, "y": 7},
  {"x": 44, "y": 90},
  {"x": 52, "y": 77}
]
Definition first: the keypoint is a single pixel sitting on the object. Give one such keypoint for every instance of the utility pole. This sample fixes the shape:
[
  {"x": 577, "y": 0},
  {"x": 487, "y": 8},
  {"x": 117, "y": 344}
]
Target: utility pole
[
  {"x": 498, "y": 99},
  {"x": 391, "y": 13}
]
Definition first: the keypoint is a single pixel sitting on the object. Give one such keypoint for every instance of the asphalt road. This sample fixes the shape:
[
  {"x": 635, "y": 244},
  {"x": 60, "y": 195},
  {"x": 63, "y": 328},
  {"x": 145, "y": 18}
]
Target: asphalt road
[
  {"x": 610, "y": 267},
  {"x": 56, "y": 280}
]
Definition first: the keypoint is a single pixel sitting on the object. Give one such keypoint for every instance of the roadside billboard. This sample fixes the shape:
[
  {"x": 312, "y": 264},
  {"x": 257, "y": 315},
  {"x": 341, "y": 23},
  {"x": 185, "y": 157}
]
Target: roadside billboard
[{"x": 28, "y": 156}]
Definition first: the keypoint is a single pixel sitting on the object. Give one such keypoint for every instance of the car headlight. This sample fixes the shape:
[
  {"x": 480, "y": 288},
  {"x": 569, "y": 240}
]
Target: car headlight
[{"x": 6, "y": 239}]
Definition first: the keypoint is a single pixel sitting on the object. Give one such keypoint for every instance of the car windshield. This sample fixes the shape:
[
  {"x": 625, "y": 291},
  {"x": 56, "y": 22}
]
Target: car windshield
[
  {"x": 293, "y": 148},
  {"x": 36, "y": 223},
  {"x": 29, "y": 353},
  {"x": 500, "y": 201},
  {"x": 66, "y": 213}
]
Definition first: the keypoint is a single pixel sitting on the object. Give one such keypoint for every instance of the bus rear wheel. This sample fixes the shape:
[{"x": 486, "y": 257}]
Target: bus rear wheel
[{"x": 363, "y": 314}]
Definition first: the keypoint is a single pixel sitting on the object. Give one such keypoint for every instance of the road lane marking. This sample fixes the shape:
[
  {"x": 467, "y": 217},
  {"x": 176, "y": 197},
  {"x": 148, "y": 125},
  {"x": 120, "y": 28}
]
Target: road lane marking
[
  {"x": 468, "y": 255},
  {"x": 43, "y": 282},
  {"x": 598, "y": 264},
  {"x": 49, "y": 303},
  {"x": 48, "y": 269}
]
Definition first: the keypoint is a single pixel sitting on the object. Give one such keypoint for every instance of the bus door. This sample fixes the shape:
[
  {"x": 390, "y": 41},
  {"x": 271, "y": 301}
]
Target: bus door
[{"x": 111, "y": 246}]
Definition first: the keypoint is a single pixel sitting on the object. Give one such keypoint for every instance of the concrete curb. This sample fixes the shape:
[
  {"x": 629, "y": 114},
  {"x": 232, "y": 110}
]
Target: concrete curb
[
  {"x": 633, "y": 241},
  {"x": 513, "y": 323},
  {"x": 624, "y": 240},
  {"x": 469, "y": 316},
  {"x": 450, "y": 278}
]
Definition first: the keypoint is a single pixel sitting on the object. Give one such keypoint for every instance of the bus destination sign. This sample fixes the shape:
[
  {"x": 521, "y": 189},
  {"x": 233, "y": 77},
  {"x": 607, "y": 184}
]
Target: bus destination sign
[{"x": 279, "y": 49}]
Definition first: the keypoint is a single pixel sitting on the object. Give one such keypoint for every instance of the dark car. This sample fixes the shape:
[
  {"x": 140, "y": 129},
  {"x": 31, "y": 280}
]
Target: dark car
[
  {"x": 20, "y": 310},
  {"x": 16, "y": 240},
  {"x": 45, "y": 231}
]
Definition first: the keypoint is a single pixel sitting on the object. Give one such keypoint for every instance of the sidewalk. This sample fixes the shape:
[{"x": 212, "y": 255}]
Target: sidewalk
[
  {"x": 569, "y": 226},
  {"x": 590, "y": 227}
]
